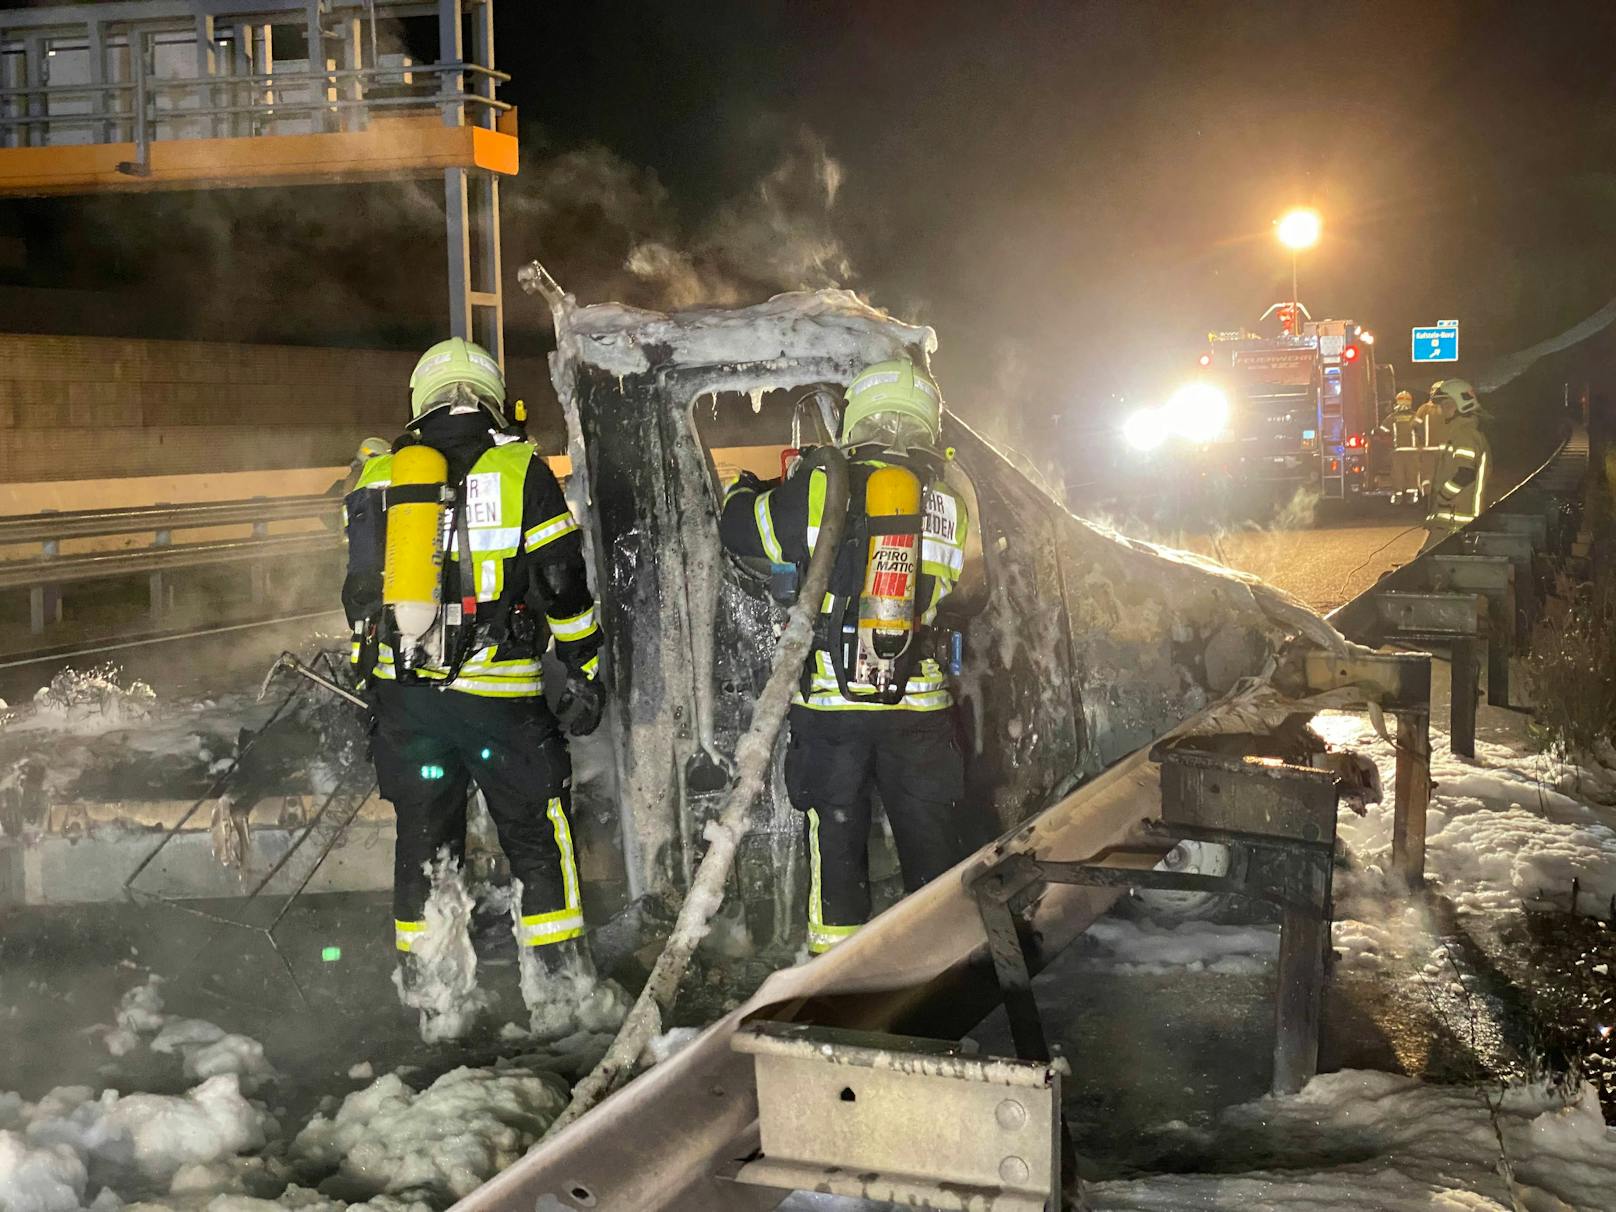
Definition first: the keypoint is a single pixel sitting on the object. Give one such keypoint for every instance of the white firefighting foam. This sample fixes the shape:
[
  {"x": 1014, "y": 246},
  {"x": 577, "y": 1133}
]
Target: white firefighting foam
[
  {"x": 53, "y": 1151},
  {"x": 214, "y": 1149},
  {"x": 1145, "y": 948},
  {"x": 1379, "y": 1140},
  {"x": 572, "y": 1001},
  {"x": 439, "y": 1143},
  {"x": 443, "y": 982},
  {"x": 830, "y": 324},
  {"x": 1502, "y": 832},
  {"x": 92, "y": 700}
]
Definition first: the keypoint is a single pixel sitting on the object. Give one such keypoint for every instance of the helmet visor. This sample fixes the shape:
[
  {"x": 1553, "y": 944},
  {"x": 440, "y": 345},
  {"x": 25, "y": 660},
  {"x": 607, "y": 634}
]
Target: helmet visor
[{"x": 894, "y": 430}]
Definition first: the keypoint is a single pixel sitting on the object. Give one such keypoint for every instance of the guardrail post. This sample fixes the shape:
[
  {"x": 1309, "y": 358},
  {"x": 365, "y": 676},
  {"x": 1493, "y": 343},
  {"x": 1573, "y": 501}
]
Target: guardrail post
[
  {"x": 1494, "y": 578},
  {"x": 1401, "y": 684},
  {"x": 45, "y": 601},
  {"x": 1413, "y": 792},
  {"x": 1462, "y": 691},
  {"x": 165, "y": 538},
  {"x": 1457, "y": 620},
  {"x": 256, "y": 575},
  {"x": 1299, "y": 1000}
]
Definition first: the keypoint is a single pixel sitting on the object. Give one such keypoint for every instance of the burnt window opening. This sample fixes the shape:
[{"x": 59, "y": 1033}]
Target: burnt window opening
[{"x": 750, "y": 431}]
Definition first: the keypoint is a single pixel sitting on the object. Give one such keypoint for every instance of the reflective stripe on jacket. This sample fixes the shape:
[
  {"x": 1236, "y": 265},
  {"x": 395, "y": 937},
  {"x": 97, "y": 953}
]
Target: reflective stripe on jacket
[{"x": 1459, "y": 489}]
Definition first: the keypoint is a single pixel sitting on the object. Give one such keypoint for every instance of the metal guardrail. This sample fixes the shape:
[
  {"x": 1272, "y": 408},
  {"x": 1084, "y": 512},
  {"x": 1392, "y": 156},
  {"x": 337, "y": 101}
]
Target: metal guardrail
[
  {"x": 53, "y": 526},
  {"x": 44, "y": 574},
  {"x": 98, "y": 565},
  {"x": 1476, "y": 593}
]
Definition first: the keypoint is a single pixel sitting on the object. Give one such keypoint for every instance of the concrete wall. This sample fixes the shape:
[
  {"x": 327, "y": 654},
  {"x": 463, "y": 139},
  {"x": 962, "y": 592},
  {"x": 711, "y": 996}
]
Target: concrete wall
[{"x": 97, "y": 408}]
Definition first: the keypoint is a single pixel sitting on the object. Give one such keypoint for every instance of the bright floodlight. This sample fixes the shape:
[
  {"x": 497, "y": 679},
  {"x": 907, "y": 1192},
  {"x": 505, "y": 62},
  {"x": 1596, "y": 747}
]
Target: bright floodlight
[
  {"x": 1299, "y": 228},
  {"x": 1197, "y": 412},
  {"x": 1143, "y": 430}
]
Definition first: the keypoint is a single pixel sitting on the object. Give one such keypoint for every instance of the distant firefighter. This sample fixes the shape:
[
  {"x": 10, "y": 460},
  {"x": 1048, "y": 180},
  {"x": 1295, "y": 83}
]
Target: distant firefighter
[
  {"x": 1459, "y": 492},
  {"x": 1430, "y": 431},
  {"x": 368, "y": 450},
  {"x": 1404, "y": 430}
]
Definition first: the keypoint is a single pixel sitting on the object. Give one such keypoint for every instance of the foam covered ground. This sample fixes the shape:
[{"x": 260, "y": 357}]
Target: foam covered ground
[
  {"x": 220, "y": 1145},
  {"x": 1382, "y": 1141}
]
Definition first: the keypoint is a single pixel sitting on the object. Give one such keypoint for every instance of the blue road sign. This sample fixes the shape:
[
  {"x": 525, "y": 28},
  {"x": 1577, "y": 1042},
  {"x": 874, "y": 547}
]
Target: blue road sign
[{"x": 1439, "y": 343}]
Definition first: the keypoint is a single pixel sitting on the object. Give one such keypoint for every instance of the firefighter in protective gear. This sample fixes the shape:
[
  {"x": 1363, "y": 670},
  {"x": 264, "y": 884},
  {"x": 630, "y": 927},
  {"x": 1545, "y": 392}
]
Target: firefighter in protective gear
[
  {"x": 1459, "y": 493},
  {"x": 1404, "y": 431},
  {"x": 339, "y": 489},
  {"x": 873, "y": 711},
  {"x": 1429, "y": 431},
  {"x": 463, "y": 562}
]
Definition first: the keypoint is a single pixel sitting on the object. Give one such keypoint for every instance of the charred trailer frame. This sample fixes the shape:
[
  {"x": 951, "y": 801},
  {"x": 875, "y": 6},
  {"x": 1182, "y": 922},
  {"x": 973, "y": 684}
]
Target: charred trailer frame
[{"x": 1079, "y": 646}]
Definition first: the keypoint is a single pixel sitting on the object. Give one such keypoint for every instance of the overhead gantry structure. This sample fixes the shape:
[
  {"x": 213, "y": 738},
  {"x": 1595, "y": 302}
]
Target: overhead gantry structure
[{"x": 131, "y": 95}]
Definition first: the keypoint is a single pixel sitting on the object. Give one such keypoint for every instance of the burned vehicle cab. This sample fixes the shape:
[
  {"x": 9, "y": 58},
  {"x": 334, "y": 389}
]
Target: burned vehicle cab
[{"x": 1076, "y": 646}]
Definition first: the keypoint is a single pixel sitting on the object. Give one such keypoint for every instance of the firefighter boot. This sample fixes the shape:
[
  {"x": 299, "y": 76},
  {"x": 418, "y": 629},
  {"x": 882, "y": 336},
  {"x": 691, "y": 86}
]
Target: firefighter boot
[
  {"x": 492, "y": 937},
  {"x": 407, "y": 979},
  {"x": 563, "y": 993}
]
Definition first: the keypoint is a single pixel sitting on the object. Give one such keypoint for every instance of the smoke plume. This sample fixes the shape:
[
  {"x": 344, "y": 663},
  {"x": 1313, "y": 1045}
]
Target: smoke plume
[{"x": 607, "y": 230}]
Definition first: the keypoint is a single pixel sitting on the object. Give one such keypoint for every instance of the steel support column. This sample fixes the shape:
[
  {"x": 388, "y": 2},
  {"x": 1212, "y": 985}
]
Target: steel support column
[
  {"x": 471, "y": 197},
  {"x": 97, "y": 47},
  {"x": 321, "y": 119}
]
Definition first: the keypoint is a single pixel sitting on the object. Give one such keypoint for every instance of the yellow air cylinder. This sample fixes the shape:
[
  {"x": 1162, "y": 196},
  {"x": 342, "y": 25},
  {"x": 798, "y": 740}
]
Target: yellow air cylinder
[
  {"x": 887, "y": 605},
  {"x": 412, "y": 577}
]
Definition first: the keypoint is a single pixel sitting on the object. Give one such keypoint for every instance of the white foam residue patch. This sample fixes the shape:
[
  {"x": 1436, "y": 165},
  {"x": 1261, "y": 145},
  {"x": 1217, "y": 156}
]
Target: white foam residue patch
[
  {"x": 1144, "y": 947},
  {"x": 1503, "y": 831},
  {"x": 40, "y": 1178},
  {"x": 1403, "y": 1146},
  {"x": 146, "y": 1138},
  {"x": 832, "y": 324},
  {"x": 444, "y": 1141}
]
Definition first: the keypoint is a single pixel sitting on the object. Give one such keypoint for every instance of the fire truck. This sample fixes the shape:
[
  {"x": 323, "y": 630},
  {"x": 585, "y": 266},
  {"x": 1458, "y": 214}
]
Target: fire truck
[{"x": 1303, "y": 407}]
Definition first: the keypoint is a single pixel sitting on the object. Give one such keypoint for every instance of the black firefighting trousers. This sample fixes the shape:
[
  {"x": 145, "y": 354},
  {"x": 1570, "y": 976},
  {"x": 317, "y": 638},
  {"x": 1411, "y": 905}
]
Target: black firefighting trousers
[
  {"x": 833, "y": 762},
  {"x": 429, "y": 746}
]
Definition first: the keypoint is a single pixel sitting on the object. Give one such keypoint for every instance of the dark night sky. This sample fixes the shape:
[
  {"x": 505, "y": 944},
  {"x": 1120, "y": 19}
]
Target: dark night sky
[{"x": 1071, "y": 193}]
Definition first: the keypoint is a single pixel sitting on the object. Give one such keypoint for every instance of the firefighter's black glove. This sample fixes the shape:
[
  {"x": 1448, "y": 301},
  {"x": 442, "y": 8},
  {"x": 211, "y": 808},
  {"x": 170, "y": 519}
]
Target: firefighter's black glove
[{"x": 581, "y": 704}]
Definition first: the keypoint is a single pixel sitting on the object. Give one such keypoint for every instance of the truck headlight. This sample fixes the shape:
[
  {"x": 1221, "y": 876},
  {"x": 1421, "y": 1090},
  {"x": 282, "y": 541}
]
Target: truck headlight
[
  {"x": 1144, "y": 429},
  {"x": 1197, "y": 412}
]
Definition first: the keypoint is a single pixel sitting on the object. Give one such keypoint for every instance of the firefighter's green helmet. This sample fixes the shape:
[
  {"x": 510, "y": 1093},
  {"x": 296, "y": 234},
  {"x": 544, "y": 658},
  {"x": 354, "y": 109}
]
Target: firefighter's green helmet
[
  {"x": 370, "y": 448},
  {"x": 893, "y": 402},
  {"x": 1457, "y": 392},
  {"x": 450, "y": 364}
]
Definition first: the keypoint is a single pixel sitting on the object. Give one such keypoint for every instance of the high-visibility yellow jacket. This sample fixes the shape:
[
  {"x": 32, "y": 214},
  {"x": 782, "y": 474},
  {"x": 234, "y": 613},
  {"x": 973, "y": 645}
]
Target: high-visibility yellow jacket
[
  {"x": 1429, "y": 425},
  {"x": 1459, "y": 489},
  {"x": 515, "y": 515},
  {"x": 1404, "y": 428}
]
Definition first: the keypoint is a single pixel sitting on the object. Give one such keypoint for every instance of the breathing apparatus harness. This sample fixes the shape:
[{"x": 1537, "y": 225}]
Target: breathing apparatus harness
[
  {"x": 870, "y": 628},
  {"x": 431, "y": 617}
]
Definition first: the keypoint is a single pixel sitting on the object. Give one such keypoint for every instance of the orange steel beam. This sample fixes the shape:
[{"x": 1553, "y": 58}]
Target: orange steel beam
[{"x": 390, "y": 147}]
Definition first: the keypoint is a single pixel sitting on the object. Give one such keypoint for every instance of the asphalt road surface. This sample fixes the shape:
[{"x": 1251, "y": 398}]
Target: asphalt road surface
[{"x": 1327, "y": 565}]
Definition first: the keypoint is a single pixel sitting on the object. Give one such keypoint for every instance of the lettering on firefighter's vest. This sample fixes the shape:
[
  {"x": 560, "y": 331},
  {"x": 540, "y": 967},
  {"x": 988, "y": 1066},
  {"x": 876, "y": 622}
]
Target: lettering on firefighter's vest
[
  {"x": 483, "y": 499},
  {"x": 942, "y": 516}
]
